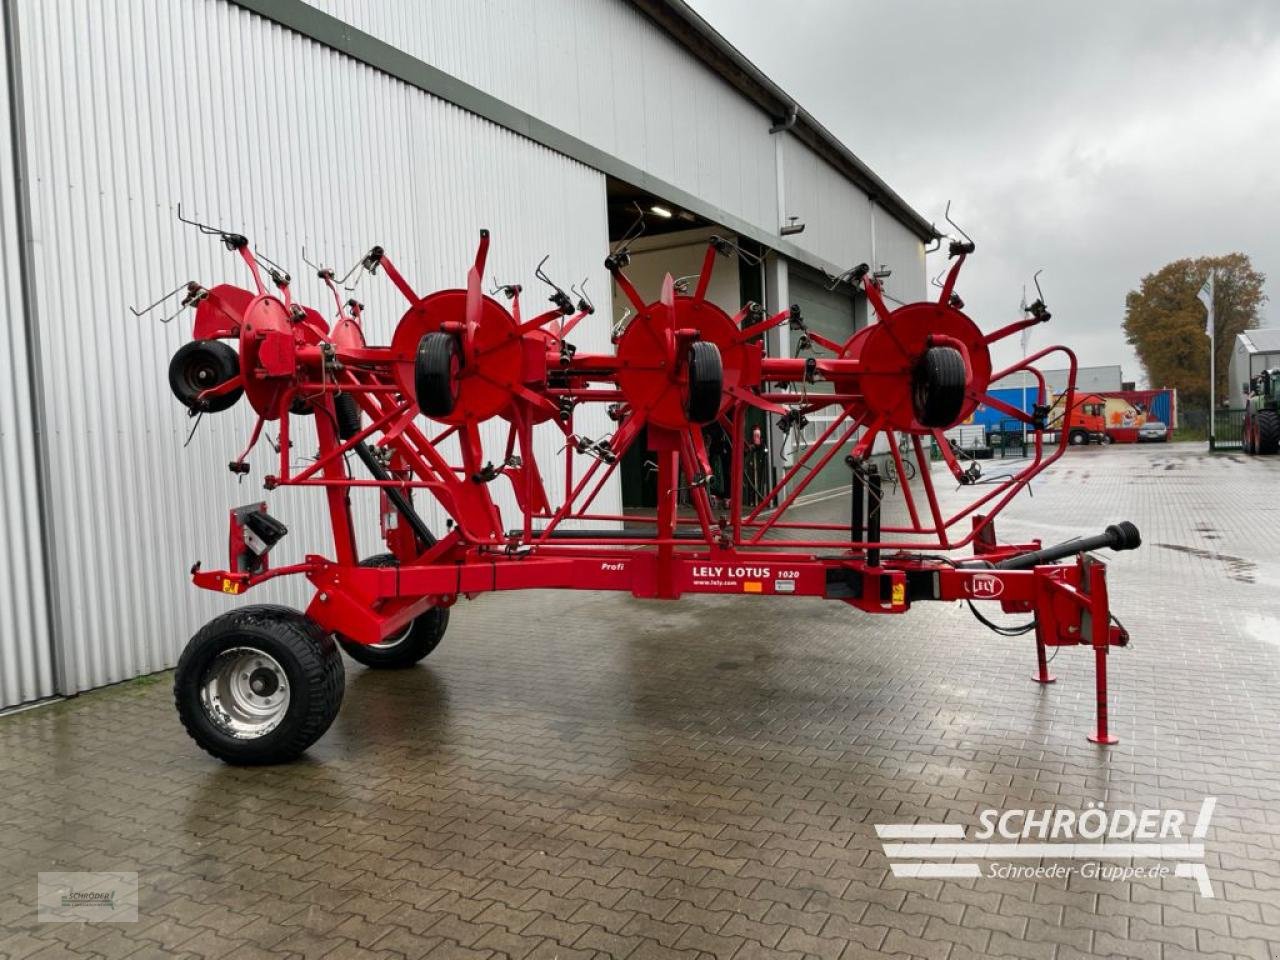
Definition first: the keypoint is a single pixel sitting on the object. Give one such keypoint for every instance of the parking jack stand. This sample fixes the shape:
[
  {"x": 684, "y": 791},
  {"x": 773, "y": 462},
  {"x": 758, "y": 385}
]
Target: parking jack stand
[
  {"x": 1042, "y": 674},
  {"x": 1101, "y": 734}
]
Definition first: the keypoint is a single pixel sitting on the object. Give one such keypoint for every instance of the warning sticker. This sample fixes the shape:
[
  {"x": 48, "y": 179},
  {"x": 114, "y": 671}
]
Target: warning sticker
[
  {"x": 784, "y": 586},
  {"x": 898, "y": 594},
  {"x": 752, "y": 586}
]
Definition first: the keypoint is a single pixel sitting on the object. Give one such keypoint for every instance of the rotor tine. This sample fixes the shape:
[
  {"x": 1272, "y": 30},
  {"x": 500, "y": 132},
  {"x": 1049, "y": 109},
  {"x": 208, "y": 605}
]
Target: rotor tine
[
  {"x": 838, "y": 278},
  {"x": 278, "y": 273},
  {"x": 227, "y": 236},
  {"x": 634, "y": 232},
  {"x": 172, "y": 293},
  {"x": 947, "y": 214},
  {"x": 314, "y": 266},
  {"x": 194, "y": 426},
  {"x": 354, "y": 267}
]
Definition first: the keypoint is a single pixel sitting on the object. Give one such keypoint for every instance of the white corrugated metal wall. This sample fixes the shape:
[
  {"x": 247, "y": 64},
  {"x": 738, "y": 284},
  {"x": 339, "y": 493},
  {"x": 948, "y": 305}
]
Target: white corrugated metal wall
[
  {"x": 26, "y": 667},
  {"x": 901, "y": 250},
  {"x": 259, "y": 129},
  {"x": 601, "y": 71},
  {"x": 274, "y": 135},
  {"x": 842, "y": 224}
]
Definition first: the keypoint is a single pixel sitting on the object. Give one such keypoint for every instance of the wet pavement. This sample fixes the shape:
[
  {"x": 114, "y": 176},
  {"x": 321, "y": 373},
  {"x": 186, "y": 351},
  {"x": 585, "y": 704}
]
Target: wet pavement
[{"x": 576, "y": 775}]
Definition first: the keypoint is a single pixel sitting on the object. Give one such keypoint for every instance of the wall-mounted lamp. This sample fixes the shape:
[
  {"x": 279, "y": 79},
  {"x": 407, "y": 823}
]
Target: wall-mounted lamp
[{"x": 791, "y": 227}]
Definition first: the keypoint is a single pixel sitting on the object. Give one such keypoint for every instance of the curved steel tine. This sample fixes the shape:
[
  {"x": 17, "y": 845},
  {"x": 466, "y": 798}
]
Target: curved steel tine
[
  {"x": 168, "y": 296},
  {"x": 634, "y": 232},
  {"x": 278, "y": 273},
  {"x": 947, "y": 214},
  {"x": 838, "y": 278},
  {"x": 227, "y": 236},
  {"x": 354, "y": 267}
]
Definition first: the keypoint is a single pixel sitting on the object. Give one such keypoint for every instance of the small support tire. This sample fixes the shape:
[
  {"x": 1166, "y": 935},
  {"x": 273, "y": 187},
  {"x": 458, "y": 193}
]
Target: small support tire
[
  {"x": 408, "y": 647},
  {"x": 202, "y": 365},
  {"x": 937, "y": 388},
  {"x": 706, "y": 382},
  {"x": 259, "y": 685},
  {"x": 436, "y": 371}
]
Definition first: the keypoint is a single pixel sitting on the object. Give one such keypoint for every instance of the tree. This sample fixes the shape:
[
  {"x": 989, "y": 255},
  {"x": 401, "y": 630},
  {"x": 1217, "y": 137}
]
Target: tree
[{"x": 1164, "y": 321}]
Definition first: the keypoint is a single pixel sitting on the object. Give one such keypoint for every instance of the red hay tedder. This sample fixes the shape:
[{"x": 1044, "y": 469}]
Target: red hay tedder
[{"x": 262, "y": 683}]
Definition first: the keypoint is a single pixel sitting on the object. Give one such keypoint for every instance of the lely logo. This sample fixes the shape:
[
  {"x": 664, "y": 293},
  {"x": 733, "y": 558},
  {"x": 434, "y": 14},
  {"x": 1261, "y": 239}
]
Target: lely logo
[
  {"x": 1097, "y": 843},
  {"x": 985, "y": 585}
]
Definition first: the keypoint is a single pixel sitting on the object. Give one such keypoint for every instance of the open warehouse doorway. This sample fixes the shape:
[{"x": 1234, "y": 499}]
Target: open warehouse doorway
[
  {"x": 674, "y": 241},
  {"x": 834, "y": 311}
]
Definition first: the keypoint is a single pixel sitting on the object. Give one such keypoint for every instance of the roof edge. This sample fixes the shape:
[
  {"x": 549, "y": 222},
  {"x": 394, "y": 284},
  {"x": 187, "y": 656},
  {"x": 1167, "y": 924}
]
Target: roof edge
[{"x": 676, "y": 18}]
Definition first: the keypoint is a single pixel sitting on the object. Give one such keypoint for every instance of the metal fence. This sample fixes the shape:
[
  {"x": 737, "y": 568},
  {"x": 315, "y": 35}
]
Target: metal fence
[{"x": 1228, "y": 430}]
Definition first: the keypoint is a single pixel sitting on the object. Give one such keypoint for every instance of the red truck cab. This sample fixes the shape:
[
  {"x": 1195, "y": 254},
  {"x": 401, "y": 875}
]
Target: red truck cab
[{"x": 1086, "y": 420}]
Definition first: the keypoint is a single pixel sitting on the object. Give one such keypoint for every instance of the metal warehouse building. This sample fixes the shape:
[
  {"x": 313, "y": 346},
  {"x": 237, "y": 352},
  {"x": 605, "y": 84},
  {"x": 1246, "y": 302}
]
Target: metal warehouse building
[{"x": 332, "y": 127}]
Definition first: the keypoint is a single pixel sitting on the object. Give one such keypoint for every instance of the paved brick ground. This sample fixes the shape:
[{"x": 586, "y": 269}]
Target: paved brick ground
[{"x": 594, "y": 775}]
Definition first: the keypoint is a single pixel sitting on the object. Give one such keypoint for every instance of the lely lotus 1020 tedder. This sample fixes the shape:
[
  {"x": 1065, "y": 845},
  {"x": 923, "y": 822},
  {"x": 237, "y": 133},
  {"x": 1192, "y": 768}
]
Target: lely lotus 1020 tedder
[{"x": 261, "y": 683}]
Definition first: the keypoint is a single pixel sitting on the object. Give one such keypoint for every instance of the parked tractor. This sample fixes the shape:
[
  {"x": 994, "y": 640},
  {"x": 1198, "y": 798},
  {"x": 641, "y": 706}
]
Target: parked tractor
[{"x": 1262, "y": 414}]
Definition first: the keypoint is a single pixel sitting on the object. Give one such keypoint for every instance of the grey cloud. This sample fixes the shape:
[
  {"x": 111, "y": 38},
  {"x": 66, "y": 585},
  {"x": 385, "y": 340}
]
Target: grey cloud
[{"x": 1096, "y": 140}]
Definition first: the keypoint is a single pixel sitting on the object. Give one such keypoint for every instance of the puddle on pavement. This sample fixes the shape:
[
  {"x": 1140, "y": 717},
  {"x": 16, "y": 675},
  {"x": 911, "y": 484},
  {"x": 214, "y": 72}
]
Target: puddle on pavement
[{"x": 1238, "y": 568}]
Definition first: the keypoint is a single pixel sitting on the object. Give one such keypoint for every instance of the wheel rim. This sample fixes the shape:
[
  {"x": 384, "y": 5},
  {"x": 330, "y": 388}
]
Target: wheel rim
[
  {"x": 201, "y": 373},
  {"x": 245, "y": 692},
  {"x": 394, "y": 641}
]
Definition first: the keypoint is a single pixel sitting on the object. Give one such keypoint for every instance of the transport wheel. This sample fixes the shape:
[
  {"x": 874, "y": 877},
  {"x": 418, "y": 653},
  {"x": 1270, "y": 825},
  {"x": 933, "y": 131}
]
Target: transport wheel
[
  {"x": 258, "y": 685},
  {"x": 706, "y": 382},
  {"x": 407, "y": 647},
  {"x": 1106, "y": 440},
  {"x": 201, "y": 365},
  {"x": 937, "y": 387},
  {"x": 436, "y": 374},
  {"x": 1267, "y": 425},
  {"x": 1078, "y": 438}
]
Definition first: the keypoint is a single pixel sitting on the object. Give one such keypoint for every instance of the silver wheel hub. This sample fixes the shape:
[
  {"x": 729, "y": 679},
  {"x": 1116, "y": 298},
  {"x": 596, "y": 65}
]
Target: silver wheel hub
[
  {"x": 245, "y": 692},
  {"x": 395, "y": 639}
]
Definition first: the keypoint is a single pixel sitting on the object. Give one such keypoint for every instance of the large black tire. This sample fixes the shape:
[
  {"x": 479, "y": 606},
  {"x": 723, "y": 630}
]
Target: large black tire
[
  {"x": 412, "y": 643},
  {"x": 436, "y": 374},
  {"x": 1078, "y": 438},
  {"x": 937, "y": 387},
  {"x": 259, "y": 685},
  {"x": 1267, "y": 424},
  {"x": 706, "y": 382},
  {"x": 202, "y": 365}
]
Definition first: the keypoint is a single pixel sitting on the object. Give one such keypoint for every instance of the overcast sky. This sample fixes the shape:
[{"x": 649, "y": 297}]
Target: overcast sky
[{"x": 1098, "y": 140}]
